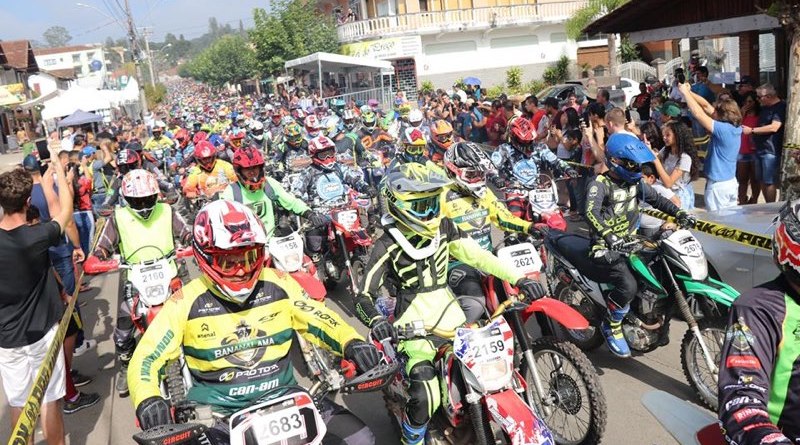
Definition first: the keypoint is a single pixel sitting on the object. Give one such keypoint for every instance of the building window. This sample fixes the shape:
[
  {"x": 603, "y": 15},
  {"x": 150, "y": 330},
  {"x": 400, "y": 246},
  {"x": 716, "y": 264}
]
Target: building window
[
  {"x": 558, "y": 37},
  {"x": 463, "y": 46},
  {"x": 423, "y": 5},
  {"x": 589, "y": 37},
  {"x": 76, "y": 58},
  {"x": 513, "y": 42}
]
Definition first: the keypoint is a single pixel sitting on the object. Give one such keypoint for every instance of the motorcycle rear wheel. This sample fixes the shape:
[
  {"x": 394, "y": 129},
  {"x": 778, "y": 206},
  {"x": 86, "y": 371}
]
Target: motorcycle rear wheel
[
  {"x": 586, "y": 340},
  {"x": 694, "y": 366},
  {"x": 571, "y": 392}
]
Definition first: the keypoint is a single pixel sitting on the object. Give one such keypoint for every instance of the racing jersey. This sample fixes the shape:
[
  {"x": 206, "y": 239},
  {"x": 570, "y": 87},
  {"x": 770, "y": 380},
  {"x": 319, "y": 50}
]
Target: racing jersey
[
  {"x": 612, "y": 206},
  {"x": 759, "y": 374},
  {"x": 263, "y": 200},
  {"x": 235, "y": 354},
  {"x": 206, "y": 183},
  {"x": 475, "y": 216},
  {"x": 315, "y": 177},
  {"x": 112, "y": 238},
  {"x": 159, "y": 143},
  {"x": 506, "y": 156}
]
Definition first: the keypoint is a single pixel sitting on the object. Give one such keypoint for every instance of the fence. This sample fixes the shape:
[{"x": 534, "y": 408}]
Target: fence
[
  {"x": 383, "y": 95},
  {"x": 635, "y": 70},
  {"x": 669, "y": 67}
]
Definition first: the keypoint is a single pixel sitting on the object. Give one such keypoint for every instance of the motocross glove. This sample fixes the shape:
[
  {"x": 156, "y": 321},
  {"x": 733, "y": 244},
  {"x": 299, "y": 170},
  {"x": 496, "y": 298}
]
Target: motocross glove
[
  {"x": 532, "y": 290},
  {"x": 605, "y": 256},
  {"x": 363, "y": 354},
  {"x": 613, "y": 242},
  {"x": 685, "y": 220},
  {"x": 153, "y": 412},
  {"x": 534, "y": 231},
  {"x": 381, "y": 329},
  {"x": 572, "y": 173},
  {"x": 316, "y": 219}
]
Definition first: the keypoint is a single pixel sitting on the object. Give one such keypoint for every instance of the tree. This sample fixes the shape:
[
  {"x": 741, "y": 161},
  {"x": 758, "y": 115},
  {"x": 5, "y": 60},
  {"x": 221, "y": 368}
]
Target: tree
[
  {"x": 228, "y": 60},
  {"x": 583, "y": 17},
  {"x": 293, "y": 29},
  {"x": 788, "y": 13},
  {"x": 56, "y": 36}
]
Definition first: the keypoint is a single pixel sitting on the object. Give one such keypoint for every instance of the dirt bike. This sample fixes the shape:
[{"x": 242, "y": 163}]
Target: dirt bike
[
  {"x": 667, "y": 269},
  {"x": 287, "y": 415},
  {"x": 561, "y": 383},
  {"x": 533, "y": 197},
  {"x": 481, "y": 387}
]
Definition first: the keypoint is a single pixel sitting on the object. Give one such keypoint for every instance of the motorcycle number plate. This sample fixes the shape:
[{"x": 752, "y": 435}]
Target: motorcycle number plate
[
  {"x": 488, "y": 352},
  {"x": 152, "y": 282},
  {"x": 287, "y": 252},
  {"x": 275, "y": 427},
  {"x": 291, "y": 419},
  {"x": 524, "y": 257},
  {"x": 347, "y": 218}
]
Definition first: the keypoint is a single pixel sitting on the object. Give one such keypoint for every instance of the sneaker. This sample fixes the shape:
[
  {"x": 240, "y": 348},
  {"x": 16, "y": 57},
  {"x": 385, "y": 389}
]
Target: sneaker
[
  {"x": 84, "y": 400},
  {"x": 87, "y": 346},
  {"x": 79, "y": 379},
  {"x": 614, "y": 339}
]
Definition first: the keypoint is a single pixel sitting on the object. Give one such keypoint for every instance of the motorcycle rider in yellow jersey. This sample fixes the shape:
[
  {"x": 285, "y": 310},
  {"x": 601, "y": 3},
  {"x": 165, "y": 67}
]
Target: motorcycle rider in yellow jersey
[
  {"x": 210, "y": 175},
  {"x": 235, "y": 325},
  {"x": 159, "y": 141},
  {"x": 474, "y": 209},
  {"x": 143, "y": 230},
  {"x": 412, "y": 256}
]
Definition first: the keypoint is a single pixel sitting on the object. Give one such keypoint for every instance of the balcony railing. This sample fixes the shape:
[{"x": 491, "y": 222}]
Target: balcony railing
[{"x": 456, "y": 20}]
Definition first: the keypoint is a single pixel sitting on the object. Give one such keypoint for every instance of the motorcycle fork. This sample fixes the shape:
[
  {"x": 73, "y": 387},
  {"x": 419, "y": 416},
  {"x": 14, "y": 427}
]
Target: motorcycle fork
[
  {"x": 524, "y": 342},
  {"x": 347, "y": 263},
  {"x": 683, "y": 307}
]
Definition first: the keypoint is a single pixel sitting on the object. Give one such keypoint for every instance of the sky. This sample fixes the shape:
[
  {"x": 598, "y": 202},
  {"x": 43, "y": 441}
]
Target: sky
[{"x": 28, "y": 19}]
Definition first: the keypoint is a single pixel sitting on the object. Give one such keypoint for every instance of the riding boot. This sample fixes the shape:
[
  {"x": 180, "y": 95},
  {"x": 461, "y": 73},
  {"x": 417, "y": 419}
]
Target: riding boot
[
  {"x": 124, "y": 358},
  {"x": 412, "y": 435},
  {"x": 612, "y": 330}
]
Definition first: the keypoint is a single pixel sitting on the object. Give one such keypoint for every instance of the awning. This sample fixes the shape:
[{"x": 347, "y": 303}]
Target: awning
[
  {"x": 33, "y": 102},
  {"x": 80, "y": 117},
  {"x": 339, "y": 63}
]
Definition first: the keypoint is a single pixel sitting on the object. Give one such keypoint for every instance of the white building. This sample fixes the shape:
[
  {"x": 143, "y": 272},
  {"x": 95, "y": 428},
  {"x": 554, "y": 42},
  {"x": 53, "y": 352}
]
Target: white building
[{"x": 87, "y": 63}]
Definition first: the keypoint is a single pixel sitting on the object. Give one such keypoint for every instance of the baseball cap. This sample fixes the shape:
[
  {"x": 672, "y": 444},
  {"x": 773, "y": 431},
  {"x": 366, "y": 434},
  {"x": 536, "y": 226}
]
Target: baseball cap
[
  {"x": 746, "y": 80},
  {"x": 30, "y": 163},
  {"x": 671, "y": 109},
  {"x": 88, "y": 150}
]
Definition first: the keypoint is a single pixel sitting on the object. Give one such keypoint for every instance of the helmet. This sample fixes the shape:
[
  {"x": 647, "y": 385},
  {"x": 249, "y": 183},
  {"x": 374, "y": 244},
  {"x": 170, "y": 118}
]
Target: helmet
[
  {"x": 236, "y": 138},
  {"x": 299, "y": 115},
  {"x": 248, "y": 157},
  {"x": 228, "y": 242},
  {"x": 786, "y": 241},
  {"x": 206, "y": 155},
  {"x": 323, "y": 152},
  {"x": 127, "y": 160},
  {"x": 331, "y": 126},
  {"x": 199, "y": 137},
  {"x": 466, "y": 164},
  {"x": 276, "y": 118},
  {"x": 415, "y": 117},
  {"x": 293, "y": 134},
  {"x": 140, "y": 190},
  {"x": 625, "y": 154},
  {"x": 414, "y": 198},
  {"x": 414, "y": 145},
  {"x": 312, "y": 125},
  {"x": 521, "y": 135},
  {"x": 349, "y": 119},
  {"x": 257, "y": 130},
  {"x": 182, "y": 136},
  {"x": 442, "y": 138},
  {"x": 369, "y": 120}
]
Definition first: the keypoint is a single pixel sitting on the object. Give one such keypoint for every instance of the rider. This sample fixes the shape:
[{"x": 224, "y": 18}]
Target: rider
[
  {"x": 294, "y": 144},
  {"x": 143, "y": 230},
  {"x": 612, "y": 209},
  {"x": 412, "y": 255},
  {"x": 473, "y": 208},
  {"x": 210, "y": 174},
  {"x": 261, "y": 193},
  {"x": 129, "y": 159},
  {"x": 235, "y": 325},
  {"x": 159, "y": 141},
  {"x": 256, "y": 135},
  {"x": 757, "y": 373},
  {"x": 441, "y": 139},
  {"x": 312, "y": 126},
  {"x": 413, "y": 148}
]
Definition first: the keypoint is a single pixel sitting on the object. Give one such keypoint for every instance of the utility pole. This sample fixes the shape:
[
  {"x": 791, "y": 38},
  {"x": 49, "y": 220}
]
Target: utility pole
[
  {"x": 134, "y": 52},
  {"x": 146, "y": 34}
]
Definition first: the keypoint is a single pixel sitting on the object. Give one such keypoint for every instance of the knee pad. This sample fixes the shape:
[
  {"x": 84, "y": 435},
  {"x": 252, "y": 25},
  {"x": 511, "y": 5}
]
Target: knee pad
[{"x": 423, "y": 393}]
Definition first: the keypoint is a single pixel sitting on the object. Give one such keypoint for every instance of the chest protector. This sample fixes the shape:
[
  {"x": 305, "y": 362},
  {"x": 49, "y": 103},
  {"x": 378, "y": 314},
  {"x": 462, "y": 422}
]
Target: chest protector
[{"x": 138, "y": 237}]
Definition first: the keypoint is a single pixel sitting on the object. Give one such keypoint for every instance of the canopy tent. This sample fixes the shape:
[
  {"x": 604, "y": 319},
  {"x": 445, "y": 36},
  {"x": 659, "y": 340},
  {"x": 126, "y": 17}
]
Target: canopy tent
[
  {"x": 76, "y": 98},
  {"x": 79, "y": 117}
]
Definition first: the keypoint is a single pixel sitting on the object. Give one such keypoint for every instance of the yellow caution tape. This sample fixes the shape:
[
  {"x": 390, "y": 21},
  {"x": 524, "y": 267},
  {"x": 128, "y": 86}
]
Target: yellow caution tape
[
  {"x": 24, "y": 428},
  {"x": 718, "y": 230}
]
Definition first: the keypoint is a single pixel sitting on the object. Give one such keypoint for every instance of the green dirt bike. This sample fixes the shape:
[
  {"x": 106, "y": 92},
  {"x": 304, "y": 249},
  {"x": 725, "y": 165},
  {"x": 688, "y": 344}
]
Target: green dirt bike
[{"x": 669, "y": 269}]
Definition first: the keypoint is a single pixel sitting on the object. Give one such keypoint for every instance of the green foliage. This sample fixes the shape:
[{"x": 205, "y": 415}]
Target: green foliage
[
  {"x": 495, "y": 91},
  {"x": 426, "y": 87},
  {"x": 557, "y": 72},
  {"x": 628, "y": 51},
  {"x": 155, "y": 95},
  {"x": 56, "y": 36},
  {"x": 292, "y": 29},
  {"x": 514, "y": 79},
  {"x": 534, "y": 86},
  {"x": 593, "y": 10},
  {"x": 459, "y": 83},
  {"x": 228, "y": 60}
]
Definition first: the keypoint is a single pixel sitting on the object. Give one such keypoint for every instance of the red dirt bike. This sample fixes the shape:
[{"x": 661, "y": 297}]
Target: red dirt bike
[
  {"x": 348, "y": 239},
  {"x": 533, "y": 196}
]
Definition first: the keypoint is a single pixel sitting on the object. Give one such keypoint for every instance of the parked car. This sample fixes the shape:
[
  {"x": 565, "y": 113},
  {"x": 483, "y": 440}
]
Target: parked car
[
  {"x": 630, "y": 87},
  {"x": 561, "y": 92}
]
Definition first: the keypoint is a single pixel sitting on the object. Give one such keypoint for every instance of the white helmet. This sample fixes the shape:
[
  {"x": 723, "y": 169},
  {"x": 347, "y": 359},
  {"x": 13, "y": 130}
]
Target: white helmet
[
  {"x": 257, "y": 130},
  {"x": 415, "y": 117},
  {"x": 140, "y": 189}
]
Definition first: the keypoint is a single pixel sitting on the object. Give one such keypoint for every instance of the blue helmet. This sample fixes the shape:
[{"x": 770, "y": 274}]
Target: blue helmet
[{"x": 625, "y": 154}]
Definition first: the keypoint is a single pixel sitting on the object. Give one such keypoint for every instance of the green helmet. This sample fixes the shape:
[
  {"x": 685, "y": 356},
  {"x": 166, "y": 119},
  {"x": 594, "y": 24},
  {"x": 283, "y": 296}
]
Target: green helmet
[{"x": 414, "y": 196}]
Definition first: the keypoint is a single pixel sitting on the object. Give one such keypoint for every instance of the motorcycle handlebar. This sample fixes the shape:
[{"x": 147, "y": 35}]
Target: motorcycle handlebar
[{"x": 417, "y": 330}]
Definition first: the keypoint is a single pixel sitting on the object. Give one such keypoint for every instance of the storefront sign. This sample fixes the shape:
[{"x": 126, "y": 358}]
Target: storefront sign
[
  {"x": 12, "y": 94},
  {"x": 391, "y": 48}
]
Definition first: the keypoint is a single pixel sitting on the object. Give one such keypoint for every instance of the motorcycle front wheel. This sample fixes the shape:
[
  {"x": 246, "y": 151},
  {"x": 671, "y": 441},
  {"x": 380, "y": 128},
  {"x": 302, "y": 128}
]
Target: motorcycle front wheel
[
  {"x": 572, "y": 393},
  {"x": 700, "y": 377},
  {"x": 585, "y": 339}
]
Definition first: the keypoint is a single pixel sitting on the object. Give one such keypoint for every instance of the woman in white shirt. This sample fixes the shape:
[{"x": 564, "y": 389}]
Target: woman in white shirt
[{"x": 677, "y": 164}]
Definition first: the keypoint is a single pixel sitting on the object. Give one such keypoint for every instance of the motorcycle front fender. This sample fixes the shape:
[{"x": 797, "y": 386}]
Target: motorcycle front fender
[
  {"x": 517, "y": 419},
  {"x": 558, "y": 311},
  {"x": 313, "y": 287},
  {"x": 710, "y": 288}
]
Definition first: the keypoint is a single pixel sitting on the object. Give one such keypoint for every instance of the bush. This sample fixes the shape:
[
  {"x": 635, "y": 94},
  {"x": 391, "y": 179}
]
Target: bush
[
  {"x": 557, "y": 72},
  {"x": 426, "y": 87},
  {"x": 534, "y": 86},
  {"x": 514, "y": 80},
  {"x": 155, "y": 95},
  {"x": 495, "y": 91}
]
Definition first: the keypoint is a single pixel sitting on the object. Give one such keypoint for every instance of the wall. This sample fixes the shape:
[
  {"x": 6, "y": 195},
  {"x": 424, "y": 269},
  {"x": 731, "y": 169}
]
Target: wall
[
  {"x": 593, "y": 56},
  {"x": 67, "y": 60}
]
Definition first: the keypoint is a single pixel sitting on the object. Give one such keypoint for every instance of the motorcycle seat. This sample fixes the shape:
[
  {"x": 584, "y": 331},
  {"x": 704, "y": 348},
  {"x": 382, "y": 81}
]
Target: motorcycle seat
[{"x": 575, "y": 249}]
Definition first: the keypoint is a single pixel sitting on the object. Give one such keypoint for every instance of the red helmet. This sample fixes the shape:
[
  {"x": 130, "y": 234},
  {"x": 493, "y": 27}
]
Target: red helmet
[
  {"x": 248, "y": 157},
  {"x": 312, "y": 125},
  {"x": 228, "y": 243},
  {"x": 236, "y": 138},
  {"x": 322, "y": 151},
  {"x": 199, "y": 137},
  {"x": 206, "y": 155},
  {"x": 521, "y": 135},
  {"x": 182, "y": 136}
]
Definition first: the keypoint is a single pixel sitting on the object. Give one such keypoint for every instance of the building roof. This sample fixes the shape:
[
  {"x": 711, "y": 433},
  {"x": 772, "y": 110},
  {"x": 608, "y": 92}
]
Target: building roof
[
  {"x": 650, "y": 14},
  {"x": 66, "y": 74},
  {"x": 64, "y": 49},
  {"x": 339, "y": 63},
  {"x": 19, "y": 55}
]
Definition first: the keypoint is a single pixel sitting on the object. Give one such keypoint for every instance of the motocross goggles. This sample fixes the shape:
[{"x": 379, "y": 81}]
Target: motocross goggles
[
  {"x": 423, "y": 209},
  {"x": 231, "y": 263},
  {"x": 627, "y": 164}
]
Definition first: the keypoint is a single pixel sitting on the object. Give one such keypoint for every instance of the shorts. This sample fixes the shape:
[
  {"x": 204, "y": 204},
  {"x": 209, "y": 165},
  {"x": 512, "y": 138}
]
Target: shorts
[
  {"x": 746, "y": 157},
  {"x": 18, "y": 368},
  {"x": 767, "y": 168},
  {"x": 722, "y": 194}
]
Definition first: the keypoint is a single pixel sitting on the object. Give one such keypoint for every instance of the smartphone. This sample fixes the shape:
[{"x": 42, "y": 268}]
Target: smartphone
[
  {"x": 42, "y": 149},
  {"x": 681, "y": 78},
  {"x": 586, "y": 120},
  {"x": 628, "y": 115}
]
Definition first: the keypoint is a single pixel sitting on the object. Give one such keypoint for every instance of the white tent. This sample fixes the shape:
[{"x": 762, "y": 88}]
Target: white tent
[{"x": 76, "y": 98}]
